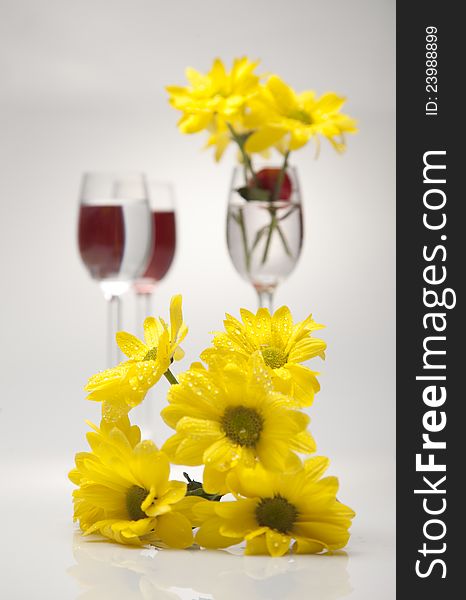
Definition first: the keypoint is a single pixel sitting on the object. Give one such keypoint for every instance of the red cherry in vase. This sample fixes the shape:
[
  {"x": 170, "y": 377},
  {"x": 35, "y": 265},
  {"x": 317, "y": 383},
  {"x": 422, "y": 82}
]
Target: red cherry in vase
[{"x": 267, "y": 179}]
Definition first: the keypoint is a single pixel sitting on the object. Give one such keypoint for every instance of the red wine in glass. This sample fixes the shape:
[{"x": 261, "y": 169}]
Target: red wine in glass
[
  {"x": 101, "y": 239},
  {"x": 163, "y": 251},
  {"x": 114, "y": 238}
]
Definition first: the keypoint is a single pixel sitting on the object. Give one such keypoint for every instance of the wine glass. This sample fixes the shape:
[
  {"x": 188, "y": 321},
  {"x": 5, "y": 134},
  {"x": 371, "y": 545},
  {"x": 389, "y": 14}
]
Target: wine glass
[
  {"x": 114, "y": 237},
  {"x": 162, "y": 206},
  {"x": 265, "y": 237}
]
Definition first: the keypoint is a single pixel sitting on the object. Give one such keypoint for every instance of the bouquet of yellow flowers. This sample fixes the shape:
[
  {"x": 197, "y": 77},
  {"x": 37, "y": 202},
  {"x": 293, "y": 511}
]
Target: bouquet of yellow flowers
[
  {"x": 238, "y": 413},
  {"x": 260, "y": 114},
  {"x": 238, "y": 106}
]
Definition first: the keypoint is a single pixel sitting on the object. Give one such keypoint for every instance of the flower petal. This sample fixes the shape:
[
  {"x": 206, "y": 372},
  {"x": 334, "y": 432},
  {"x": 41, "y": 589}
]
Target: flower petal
[
  {"x": 220, "y": 454},
  {"x": 256, "y": 545},
  {"x": 209, "y": 535},
  {"x": 175, "y": 530},
  {"x": 131, "y": 345},
  {"x": 278, "y": 543}
]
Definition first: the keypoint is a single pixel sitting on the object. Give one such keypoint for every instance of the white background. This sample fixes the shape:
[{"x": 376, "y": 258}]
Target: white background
[{"x": 82, "y": 88}]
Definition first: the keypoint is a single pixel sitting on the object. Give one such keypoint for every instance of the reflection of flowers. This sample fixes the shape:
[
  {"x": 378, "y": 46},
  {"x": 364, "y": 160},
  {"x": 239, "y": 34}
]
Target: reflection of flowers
[
  {"x": 230, "y": 415},
  {"x": 125, "y": 386},
  {"x": 124, "y": 573},
  {"x": 273, "y": 509},
  {"x": 124, "y": 492},
  {"x": 282, "y": 344}
]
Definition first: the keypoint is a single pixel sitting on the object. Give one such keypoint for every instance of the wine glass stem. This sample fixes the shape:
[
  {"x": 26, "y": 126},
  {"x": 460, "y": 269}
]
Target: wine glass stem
[
  {"x": 143, "y": 308},
  {"x": 265, "y": 297},
  {"x": 113, "y": 325}
]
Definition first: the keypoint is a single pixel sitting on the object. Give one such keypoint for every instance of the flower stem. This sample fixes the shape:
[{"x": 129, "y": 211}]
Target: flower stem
[
  {"x": 247, "y": 256},
  {"x": 244, "y": 154},
  {"x": 171, "y": 378},
  {"x": 273, "y": 224},
  {"x": 280, "y": 178}
]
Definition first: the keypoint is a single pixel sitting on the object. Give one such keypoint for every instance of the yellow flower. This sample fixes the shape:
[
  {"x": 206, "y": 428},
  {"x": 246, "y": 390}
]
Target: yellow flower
[
  {"x": 282, "y": 344},
  {"x": 230, "y": 415},
  {"x": 124, "y": 492},
  {"x": 274, "y": 510},
  {"x": 288, "y": 120},
  {"x": 125, "y": 386},
  {"x": 214, "y": 99}
]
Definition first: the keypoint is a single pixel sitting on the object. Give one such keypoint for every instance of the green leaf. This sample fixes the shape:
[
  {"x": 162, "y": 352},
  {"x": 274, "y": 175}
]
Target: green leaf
[{"x": 254, "y": 193}]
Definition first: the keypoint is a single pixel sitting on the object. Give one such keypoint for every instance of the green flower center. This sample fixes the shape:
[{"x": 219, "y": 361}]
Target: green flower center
[
  {"x": 276, "y": 513},
  {"x": 242, "y": 425},
  {"x": 135, "y": 496},
  {"x": 152, "y": 354},
  {"x": 300, "y": 115},
  {"x": 274, "y": 357}
]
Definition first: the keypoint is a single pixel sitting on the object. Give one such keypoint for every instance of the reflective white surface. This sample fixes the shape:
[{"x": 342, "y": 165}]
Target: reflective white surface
[{"x": 43, "y": 555}]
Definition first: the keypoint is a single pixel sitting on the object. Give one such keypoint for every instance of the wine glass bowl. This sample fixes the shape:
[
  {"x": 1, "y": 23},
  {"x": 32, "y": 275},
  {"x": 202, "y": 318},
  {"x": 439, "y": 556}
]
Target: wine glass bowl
[
  {"x": 162, "y": 253},
  {"x": 264, "y": 237},
  {"x": 114, "y": 236}
]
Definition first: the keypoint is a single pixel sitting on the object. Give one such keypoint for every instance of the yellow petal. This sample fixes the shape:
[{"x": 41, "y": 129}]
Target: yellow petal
[
  {"x": 256, "y": 545},
  {"x": 151, "y": 466},
  {"x": 305, "y": 384},
  {"x": 131, "y": 345},
  {"x": 175, "y": 492},
  {"x": 176, "y": 315},
  {"x": 251, "y": 483},
  {"x": 178, "y": 354},
  {"x": 187, "y": 507},
  {"x": 315, "y": 467},
  {"x": 220, "y": 454},
  {"x": 209, "y": 535},
  {"x": 194, "y": 77},
  {"x": 307, "y": 348},
  {"x": 199, "y": 427},
  {"x": 283, "y": 94},
  {"x": 278, "y": 543},
  {"x": 282, "y": 326},
  {"x": 152, "y": 331},
  {"x": 175, "y": 530},
  {"x": 263, "y": 138},
  {"x": 332, "y": 536},
  {"x": 214, "y": 481},
  {"x": 193, "y": 123},
  {"x": 307, "y": 546}
]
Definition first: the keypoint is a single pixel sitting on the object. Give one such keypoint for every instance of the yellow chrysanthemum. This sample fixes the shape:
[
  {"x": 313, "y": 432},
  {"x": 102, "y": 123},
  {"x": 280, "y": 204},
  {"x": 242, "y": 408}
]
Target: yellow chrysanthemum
[
  {"x": 229, "y": 415},
  {"x": 215, "y": 99},
  {"x": 287, "y": 120},
  {"x": 274, "y": 510},
  {"x": 283, "y": 346},
  {"x": 125, "y": 386},
  {"x": 124, "y": 492},
  {"x": 216, "y": 94}
]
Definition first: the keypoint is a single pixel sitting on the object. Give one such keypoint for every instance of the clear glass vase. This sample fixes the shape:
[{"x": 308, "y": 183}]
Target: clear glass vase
[{"x": 264, "y": 237}]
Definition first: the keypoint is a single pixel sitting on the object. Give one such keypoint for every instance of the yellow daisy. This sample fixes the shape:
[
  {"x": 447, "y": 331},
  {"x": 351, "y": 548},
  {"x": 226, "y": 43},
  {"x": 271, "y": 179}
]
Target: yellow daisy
[
  {"x": 288, "y": 120},
  {"x": 229, "y": 415},
  {"x": 274, "y": 510},
  {"x": 282, "y": 345},
  {"x": 125, "y": 386},
  {"x": 216, "y": 94},
  {"x": 124, "y": 492}
]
